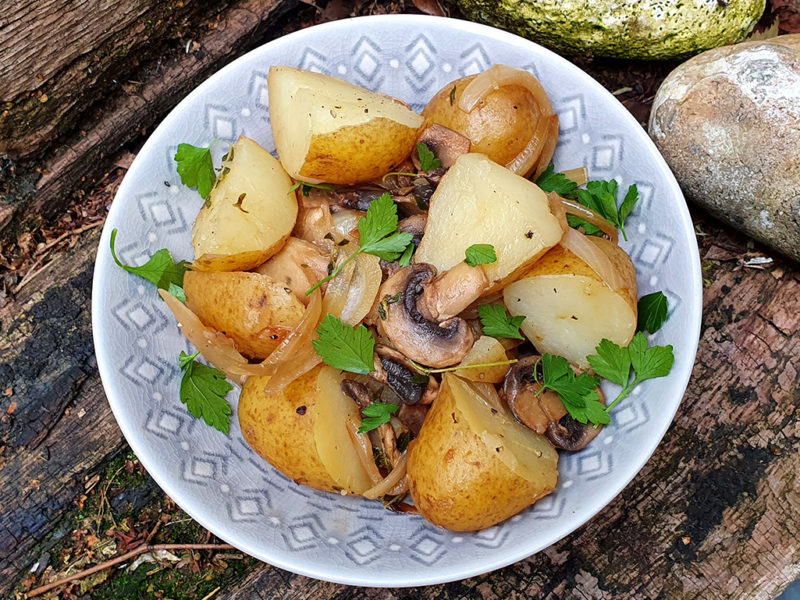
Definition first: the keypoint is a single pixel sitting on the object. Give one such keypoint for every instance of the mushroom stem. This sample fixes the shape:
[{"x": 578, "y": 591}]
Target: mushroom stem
[{"x": 453, "y": 291}]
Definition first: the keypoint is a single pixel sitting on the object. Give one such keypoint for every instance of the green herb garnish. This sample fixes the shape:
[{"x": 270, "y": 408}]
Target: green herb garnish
[
  {"x": 480, "y": 254},
  {"x": 203, "y": 391},
  {"x": 344, "y": 347},
  {"x": 498, "y": 324}
]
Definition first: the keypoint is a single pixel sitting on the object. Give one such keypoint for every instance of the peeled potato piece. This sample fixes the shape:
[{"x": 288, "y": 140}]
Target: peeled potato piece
[
  {"x": 480, "y": 202},
  {"x": 470, "y": 467},
  {"x": 568, "y": 309},
  {"x": 486, "y": 350},
  {"x": 249, "y": 213},
  {"x": 302, "y": 430},
  {"x": 252, "y": 309},
  {"x": 326, "y": 129}
]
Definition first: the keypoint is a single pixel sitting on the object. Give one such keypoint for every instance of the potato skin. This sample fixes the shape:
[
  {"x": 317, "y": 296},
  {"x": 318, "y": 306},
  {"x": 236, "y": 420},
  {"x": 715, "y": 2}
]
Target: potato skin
[
  {"x": 455, "y": 480},
  {"x": 255, "y": 311},
  {"x": 282, "y": 432},
  {"x": 558, "y": 261},
  {"x": 358, "y": 153},
  {"x": 499, "y": 126}
]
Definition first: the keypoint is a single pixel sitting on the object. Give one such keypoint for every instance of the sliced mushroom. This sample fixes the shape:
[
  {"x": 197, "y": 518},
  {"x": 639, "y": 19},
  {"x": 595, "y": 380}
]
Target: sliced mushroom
[
  {"x": 543, "y": 412},
  {"x": 394, "y": 370},
  {"x": 413, "y": 329},
  {"x": 445, "y": 143},
  {"x": 413, "y": 416}
]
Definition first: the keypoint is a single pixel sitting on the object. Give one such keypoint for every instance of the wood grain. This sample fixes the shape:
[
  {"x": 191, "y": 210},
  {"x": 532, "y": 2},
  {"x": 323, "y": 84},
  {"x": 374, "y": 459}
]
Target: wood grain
[{"x": 68, "y": 108}]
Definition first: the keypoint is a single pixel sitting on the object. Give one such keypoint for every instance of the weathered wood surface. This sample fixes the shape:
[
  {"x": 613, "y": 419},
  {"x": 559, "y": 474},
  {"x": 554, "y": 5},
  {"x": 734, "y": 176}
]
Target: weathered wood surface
[
  {"x": 714, "y": 514},
  {"x": 65, "y": 108}
]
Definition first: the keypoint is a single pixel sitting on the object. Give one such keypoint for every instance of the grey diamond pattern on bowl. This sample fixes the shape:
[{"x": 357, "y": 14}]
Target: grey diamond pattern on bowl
[{"x": 224, "y": 484}]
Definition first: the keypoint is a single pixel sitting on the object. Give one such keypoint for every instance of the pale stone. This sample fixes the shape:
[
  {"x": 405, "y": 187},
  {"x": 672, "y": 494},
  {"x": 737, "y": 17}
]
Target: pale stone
[{"x": 728, "y": 123}]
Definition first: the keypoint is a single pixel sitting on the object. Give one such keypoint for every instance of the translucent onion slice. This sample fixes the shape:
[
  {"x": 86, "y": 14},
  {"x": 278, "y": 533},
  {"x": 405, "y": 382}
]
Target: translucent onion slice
[
  {"x": 576, "y": 242},
  {"x": 587, "y": 214},
  {"x": 549, "y": 147},
  {"x": 525, "y": 162},
  {"x": 295, "y": 356},
  {"x": 216, "y": 347},
  {"x": 579, "y": 175},
  {"x": 558, "y": 210},
  {"x": 393, "y": 483},
  {"x": 363, "y": 449},
  {"x": 496, "y": 77},
  {"x": 345, "y": 221},
  {"x": 351, "y": 294}
]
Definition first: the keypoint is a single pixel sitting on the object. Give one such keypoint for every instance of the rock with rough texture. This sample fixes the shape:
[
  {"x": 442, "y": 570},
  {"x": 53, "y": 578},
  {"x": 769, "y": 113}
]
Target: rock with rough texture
[
  {"x": 728, "y": 123},
  {"x": 644, "y": 29}
]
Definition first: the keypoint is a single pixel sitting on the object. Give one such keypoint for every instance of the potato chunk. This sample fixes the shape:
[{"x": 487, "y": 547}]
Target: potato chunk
[
  {"x": 568, "y": 309},
  {"x": 248, "y": 214},
  {"x": 326, "y": 129},
  {"x": 480, "y": 202},
  {"x": 471, "y": 467},
  {"x": 252, "y": 309}
]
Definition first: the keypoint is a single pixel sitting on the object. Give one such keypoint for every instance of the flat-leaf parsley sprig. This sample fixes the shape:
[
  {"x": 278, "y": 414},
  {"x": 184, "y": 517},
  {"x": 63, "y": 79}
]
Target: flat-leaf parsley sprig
[
  {"x": 378, "y": 235},
  {"x": 203, "y": 391},
  {"x": 377, "y": 414},
  {"x": 615, "y": 363},
  {"x": 578, "y": 393},
  {"x": 196, "y": 168},
  {"x": 161, "y": 269}
]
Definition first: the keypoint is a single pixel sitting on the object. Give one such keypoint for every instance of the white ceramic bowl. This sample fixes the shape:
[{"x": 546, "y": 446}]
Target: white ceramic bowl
[{"x": 225, "y": 486}]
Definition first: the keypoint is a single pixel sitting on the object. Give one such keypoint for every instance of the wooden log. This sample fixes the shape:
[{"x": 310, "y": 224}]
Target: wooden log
[
  {"x": 60, "y": 428},
  {"x": 82, "y": 82}
]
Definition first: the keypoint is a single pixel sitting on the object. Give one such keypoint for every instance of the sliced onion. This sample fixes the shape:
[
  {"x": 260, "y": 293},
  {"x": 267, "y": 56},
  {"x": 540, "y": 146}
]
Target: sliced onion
[
  {"x": 314, "y": 222},
  {"x": 588, "y": 215},
  {"x": 548, "y": 148},
  {"x": 363, "y": 448},
  {"x": 496, "y": 77},
  {"x": 295, "y": 356},
  {"x": 390, "y": 482},
  {"x": 580, "y": 246},
  {"x": 524, "y": 162},
  {"x": 351, "y": 294},
  {"x": 579, "y": 175},
  {"x": 345, "y": 221},
  {"x": 558, "y": 210},
  {"x": 216, "y": 348}
]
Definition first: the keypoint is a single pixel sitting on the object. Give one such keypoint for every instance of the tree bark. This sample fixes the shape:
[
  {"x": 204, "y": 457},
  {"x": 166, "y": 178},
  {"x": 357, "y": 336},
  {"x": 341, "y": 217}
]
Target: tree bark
[{"x": 82, "y": 78}]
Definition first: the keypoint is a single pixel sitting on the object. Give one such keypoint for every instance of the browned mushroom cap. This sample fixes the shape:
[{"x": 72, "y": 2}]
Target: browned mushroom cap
[
  {"x": 394, "y": 370},
  {"x": 410, "y": 326},
  {"x": 446, "y": 144},
  {"x": 544, "y": 413}
]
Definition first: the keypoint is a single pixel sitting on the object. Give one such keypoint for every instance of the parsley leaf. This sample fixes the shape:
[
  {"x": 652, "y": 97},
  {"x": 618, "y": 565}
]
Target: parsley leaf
[
  {"x": 405, "y": 258},
  {"x": 578, "y": 393},
  {"x": 307, "y": 187},
  {"x": 161, "y": 270},
  {"x": 652, "y": 311},
  {"x": 601, "y": 197},
  {"x": 378, "y": 414},
  {"x": 203, "y": 391},
  {"x": 378, "y": 235},
  {"x": 588, "y": 228},
  {"x": 614, "y": 363},
  {"x": 344, "y": 347},
  {"x": 427, "y": 159},
  {"x": 480, "y": 254},
  {"x": 196, "y": 168},
  {"x": 549, "y": 181},
  {"x": 498, "y": 324}
]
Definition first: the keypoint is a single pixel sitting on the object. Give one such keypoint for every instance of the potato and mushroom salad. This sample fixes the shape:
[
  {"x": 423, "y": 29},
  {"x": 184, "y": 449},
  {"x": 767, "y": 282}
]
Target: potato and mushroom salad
[{"x": 417, "y": 307}]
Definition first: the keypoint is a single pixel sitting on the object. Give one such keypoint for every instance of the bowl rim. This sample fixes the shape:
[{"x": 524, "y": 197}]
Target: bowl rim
[{"x": 429, "y": 575}]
